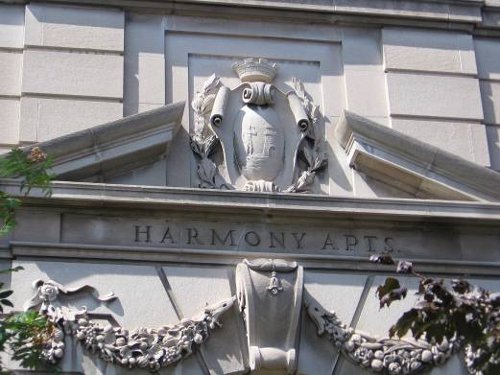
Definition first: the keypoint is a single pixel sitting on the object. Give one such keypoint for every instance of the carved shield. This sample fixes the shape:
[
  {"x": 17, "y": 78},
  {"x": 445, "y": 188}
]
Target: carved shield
[{"x": 259, "y": 143}]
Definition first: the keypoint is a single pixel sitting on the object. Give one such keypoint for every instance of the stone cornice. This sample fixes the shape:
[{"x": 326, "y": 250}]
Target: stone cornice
[
  {"x": 468, "y": 14},
  {"x": 98, "y": 195},
  {"x": 111, "y": 148},
  {"x": 416, "y": 167}
]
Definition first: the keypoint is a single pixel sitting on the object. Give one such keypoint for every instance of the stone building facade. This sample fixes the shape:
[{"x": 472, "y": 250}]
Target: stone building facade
[{"x": 238, "y": 163}]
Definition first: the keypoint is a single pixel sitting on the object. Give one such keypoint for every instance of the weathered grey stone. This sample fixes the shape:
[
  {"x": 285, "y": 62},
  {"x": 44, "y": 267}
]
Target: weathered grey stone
[
  {"x": 340, "y": 293},
  {"x": 487, "y": 52},
  {"x": 410, "y": 59},
  {"x": 466, "y": 139},
  {"x": 71, "y": 73},
  {"x": 490, "y": 93},
  {"x": 109, "y": 149},
  {"x": 10, "y": 74},
  {"x": 11, "y": 26},
  {"x": 9, "y": 126},
  {"x": 127, "y": 282},
  {"x": 195, "y": 287},
  {"x": 425, "y": 169},
  {"x": 144, "y": 75},
  {"x": 74, "y": 27},
  {"x": 434, "y": 96},
  {"x": 425, "y": 50},
  {"x": 42, "y": 119},
  {"x": 493, "y": 133}
]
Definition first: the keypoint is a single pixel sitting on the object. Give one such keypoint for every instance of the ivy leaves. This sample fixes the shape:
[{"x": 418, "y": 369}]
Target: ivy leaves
[
  {"x": 32, "y": 168},
  {"x": 447, "y": 311}
]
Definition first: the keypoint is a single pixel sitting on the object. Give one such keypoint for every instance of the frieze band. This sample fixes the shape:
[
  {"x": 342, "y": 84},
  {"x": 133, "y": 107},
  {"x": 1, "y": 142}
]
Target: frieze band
[{"x": 272, "y": 240}]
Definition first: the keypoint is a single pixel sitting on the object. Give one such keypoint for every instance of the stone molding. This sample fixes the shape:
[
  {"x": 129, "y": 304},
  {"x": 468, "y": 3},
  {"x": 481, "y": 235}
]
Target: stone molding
[
  {"x": 468, "y": 14},
  {"x": 408, "y": 164},
  {"x": 67, "y": 193},
  {"x": 411, "y": 221},
  {"x": 116, "y": 147}
]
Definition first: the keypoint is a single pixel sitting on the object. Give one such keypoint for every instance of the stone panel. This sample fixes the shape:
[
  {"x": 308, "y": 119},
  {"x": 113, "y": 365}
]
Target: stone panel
[
  {"x": 71, "y": 73},
  {"x": 195, "y": 287},
  {"x": 341, "y": 293},
  {"x": 493, "y": 133},
  {"x": 10, "y": 72},
  {"x": 361, "y": 49},
  {"x": 9, "y": 126},
  {"x": 74, "y": 27},
  {"x": 144, "y": 64},
  {"x": 365, "y": 92},
  {"x": 465, "y": 139},
  {"x": 435, "y": 51},
  {"x": 385, "y": 318},
  {"x": 42, "y": 119},
  {"x": 490, "y": 93},
  {"x": 128, "y": 283},
  {"x": 11, "y": 26},
  {"x": 401, "y": 8},
  {"x": 434, "y": 96},
  {"x": 487, "y": 56}
]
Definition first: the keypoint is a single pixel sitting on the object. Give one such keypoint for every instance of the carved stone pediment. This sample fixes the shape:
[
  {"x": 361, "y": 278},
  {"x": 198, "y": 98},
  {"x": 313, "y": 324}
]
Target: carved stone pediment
[{"x": 262, "y": 130}]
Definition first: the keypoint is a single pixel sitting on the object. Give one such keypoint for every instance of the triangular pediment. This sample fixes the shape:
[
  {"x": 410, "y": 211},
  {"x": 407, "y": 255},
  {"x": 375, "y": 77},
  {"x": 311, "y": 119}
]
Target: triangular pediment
[
  {"x": 378, "y": 153},
  {"x": 102, "y": 152},
  {"x": 414, "y": 167}
]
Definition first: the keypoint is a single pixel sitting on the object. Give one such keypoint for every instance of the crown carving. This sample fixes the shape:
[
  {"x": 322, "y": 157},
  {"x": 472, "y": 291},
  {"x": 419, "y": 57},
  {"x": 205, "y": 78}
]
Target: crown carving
[{"x": 255, "y": 70}]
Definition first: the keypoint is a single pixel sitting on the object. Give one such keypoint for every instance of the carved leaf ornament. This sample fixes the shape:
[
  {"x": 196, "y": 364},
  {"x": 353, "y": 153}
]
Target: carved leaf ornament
[{"x": 154, "y": 349}]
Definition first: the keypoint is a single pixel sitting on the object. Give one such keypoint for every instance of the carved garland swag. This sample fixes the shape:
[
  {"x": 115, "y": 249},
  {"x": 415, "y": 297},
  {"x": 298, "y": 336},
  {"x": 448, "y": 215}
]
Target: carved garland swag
[{"x": 154, "y": 349}]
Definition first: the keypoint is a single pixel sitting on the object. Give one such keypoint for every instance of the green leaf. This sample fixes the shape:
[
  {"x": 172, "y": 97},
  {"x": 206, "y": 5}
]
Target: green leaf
[
  {"x": 6, "y": 302},
  {"x": 404, "y": 323},
  {"x": 390, "y": 292},
  {"x": 5, "y": 294}
]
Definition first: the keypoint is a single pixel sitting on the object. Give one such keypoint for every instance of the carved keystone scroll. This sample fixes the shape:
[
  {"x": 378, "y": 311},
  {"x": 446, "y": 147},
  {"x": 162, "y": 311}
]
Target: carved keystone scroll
[{"x": 269, "y": 293}]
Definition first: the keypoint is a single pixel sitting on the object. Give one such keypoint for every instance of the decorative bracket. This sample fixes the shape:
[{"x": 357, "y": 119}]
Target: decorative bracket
[{"x": 269, "y": 294}]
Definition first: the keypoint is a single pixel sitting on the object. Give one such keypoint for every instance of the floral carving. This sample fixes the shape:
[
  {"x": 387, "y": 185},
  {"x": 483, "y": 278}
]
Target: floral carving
[
  {"x": 154, "y": 349},
  {"x": 381, "y": 355},
  {"x": 143, "y": 348}
]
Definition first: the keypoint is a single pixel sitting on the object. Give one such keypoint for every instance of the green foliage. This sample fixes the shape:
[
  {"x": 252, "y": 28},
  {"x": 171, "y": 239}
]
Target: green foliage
[
  {"x": 390, "y": 291},
  {"x": 32, "y": 168},
  {"x": 27, "y": 333},
  {"x": 23, "y": 335},
  {"x": 446, "y": 311}
]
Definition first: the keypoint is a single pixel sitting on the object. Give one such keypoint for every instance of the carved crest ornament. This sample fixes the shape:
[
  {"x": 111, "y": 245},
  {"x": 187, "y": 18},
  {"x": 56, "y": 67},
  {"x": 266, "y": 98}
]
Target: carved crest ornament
[
  {"x": 268, "y": 136},
  {"x": 270, "y": 298}
]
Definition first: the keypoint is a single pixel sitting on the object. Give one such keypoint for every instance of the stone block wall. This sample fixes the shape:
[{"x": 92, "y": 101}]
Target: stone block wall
[
  {"x": 67, "y": 67},
  {"x": 487, "y": 52},
  {"x": 433, "y": 90},
  {"x": 63, "y": 69}
]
